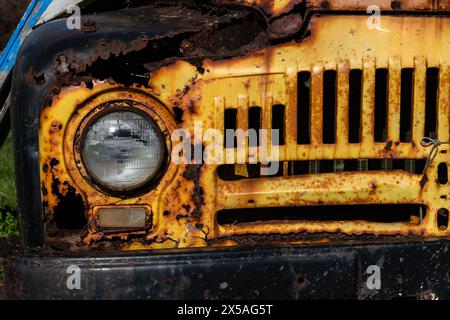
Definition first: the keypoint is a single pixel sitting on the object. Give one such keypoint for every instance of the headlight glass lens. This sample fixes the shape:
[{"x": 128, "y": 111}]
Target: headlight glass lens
[{"x": 123, "y": 150}]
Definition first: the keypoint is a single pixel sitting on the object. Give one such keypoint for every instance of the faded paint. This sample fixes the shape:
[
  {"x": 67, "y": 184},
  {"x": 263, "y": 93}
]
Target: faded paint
[{"x": 185, "y": 202}]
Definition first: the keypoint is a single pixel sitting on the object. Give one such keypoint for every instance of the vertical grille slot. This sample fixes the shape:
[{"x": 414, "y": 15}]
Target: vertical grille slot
[
  {"x": 230, "y": 123},
  {"x": 329, "y": 107},
  {"x": 432, "y": 86},
  {"x": 406, "y": 99},
  {"x": 303, "y": 107},
  {"x": 442, "y": 219},
  {"x": 278, "y": 120},
  {"x": 354, "y": 108},
  {"x": 442, "y": 173},
  {"x": 254, "y": 122},
  {"x": 381, "y": 100}
]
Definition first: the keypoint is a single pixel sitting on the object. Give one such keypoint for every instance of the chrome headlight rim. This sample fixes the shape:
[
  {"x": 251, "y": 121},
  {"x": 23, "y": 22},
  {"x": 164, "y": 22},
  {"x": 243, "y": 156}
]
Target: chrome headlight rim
[{"x": 121, "y": 106}]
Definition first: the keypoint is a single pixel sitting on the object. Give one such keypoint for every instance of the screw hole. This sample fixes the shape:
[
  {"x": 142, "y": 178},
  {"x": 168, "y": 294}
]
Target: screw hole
[
  {"x": 395, "y": 5},
  {"x": 324, "y": 4}
]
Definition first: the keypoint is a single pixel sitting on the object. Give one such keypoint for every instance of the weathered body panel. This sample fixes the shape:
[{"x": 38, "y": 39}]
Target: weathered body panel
[
  {"x": 184, "y": 66},
  {"x": 186, "y": 201}
]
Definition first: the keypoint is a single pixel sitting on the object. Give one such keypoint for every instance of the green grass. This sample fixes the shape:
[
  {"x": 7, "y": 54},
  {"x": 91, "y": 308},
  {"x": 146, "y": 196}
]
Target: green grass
[
  {"x": 8, "y": 225},
  {"x": 7, "y": 183},
  {"x": 8, "y": 222}
]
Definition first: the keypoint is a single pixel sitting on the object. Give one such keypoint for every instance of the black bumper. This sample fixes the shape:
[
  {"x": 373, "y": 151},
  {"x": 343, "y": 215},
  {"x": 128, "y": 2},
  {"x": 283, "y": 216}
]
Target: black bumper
[{"x": 407, "y": 270}]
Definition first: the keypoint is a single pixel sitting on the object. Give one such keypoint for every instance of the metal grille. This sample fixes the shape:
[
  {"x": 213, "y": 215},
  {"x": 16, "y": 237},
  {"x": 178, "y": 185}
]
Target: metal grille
[
  {"x": 351, "y": 108},
  {"x": 352, "y": 130}
]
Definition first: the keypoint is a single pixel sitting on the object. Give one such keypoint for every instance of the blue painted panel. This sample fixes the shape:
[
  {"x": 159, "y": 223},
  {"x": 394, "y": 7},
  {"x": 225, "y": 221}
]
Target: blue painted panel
[{"x": 25, "y": 26}]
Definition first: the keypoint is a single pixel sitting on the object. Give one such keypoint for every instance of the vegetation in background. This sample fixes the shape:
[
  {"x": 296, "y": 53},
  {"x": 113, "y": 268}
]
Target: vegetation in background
[
  {"x": 8, "y": 225},
  {"x": 8, "y": 221}
]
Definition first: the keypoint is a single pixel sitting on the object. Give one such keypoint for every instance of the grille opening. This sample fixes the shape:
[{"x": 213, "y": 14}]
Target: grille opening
[
  {"x": 442, "y": 173},
  {"x": 381, "y": 98},
  {"x": 355, "y": 165},
  {"x": 278, "y": 120},
  {"x": 226, "y": 172},
  {"x": 301, "y": 167},
  {"x": 303, "y": 107},
  {"x": 431, "y": 97},
  {"x": 354, "y": 106},
  {"x": 329, "y": 107},
  {"x": 382, "y": 213},
  {"x": 442, "y": 219},
  {"x": 280, "y": 171},
  {"x": 230, "y": 122},
  {"x": 406, "y": 99},
  {"x": 254, "y": 122},
  {"x": 415, "y": 166}
]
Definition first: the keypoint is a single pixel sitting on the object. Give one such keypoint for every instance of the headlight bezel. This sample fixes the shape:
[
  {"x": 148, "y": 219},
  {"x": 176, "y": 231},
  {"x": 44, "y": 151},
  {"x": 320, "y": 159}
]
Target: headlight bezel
[{"x": 121, "y": 106}]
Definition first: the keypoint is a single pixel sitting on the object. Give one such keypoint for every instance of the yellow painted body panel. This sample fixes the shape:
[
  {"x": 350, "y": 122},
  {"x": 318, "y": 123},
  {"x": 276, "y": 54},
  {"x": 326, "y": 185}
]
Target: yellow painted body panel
[{"x": 184, "y": 208}]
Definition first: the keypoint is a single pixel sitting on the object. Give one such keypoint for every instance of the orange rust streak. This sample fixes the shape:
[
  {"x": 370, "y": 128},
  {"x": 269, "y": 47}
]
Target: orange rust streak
[
  {"x": 368, "y": 102},
  {"x": 316, "y": 104},
  {"x": 346, "y": 227},
  {"x": 342, "y": 103},
  {"x": 394, "y": 99},
  {"x": 291, "y": 113},
  {"x": 418, "y": 119},
  {"x": 444, "y": 103}
]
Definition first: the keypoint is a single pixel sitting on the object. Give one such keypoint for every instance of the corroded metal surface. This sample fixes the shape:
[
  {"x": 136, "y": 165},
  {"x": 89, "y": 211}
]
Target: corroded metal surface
[
  {"x": 185, "y": 203},
  {"x": 280, "y": 7},
  {"x": 272, "y": 7},
  {"x": 385, "y": 5}
]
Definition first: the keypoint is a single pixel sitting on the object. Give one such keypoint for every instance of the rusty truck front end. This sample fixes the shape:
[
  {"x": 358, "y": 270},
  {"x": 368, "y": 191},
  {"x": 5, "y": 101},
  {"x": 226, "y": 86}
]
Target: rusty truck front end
[{"x": 358, "y": 93}]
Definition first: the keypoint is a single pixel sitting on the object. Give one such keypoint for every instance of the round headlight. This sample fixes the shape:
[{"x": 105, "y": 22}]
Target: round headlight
[{"x": 123, "y": 150}]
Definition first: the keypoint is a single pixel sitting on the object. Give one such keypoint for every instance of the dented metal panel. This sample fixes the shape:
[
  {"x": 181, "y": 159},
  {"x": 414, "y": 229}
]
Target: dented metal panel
[{"x": 185, "y": 203}]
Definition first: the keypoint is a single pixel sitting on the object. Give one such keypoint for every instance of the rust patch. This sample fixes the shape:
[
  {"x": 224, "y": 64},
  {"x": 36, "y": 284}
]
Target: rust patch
[
  {"x": 192, "y": 173},
  {"x": 274, "y": 8},
  {"x": 385, "y": 5},
  {"x": 286, "y": 26}
]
